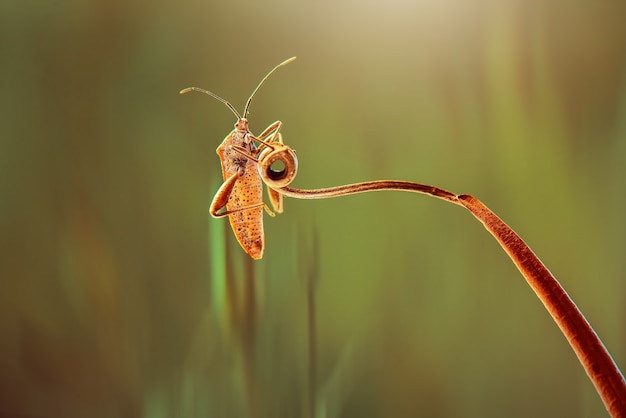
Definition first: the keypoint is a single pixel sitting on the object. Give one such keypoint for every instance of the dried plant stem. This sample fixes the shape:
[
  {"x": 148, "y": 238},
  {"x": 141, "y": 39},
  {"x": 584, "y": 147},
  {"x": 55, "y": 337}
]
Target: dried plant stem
[{"x": 594, "y": 357}]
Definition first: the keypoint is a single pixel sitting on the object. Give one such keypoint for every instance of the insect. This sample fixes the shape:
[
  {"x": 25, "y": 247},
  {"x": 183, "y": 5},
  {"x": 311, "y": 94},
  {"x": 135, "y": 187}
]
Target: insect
[{"x": 247, "y": 162}]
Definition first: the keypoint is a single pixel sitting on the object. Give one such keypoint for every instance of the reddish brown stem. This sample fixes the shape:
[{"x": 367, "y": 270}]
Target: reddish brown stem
[{"x": 594, "y": 357}]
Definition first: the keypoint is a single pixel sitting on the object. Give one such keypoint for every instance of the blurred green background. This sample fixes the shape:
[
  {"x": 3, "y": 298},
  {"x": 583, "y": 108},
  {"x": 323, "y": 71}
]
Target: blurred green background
[{"x": 121, "y": 297}]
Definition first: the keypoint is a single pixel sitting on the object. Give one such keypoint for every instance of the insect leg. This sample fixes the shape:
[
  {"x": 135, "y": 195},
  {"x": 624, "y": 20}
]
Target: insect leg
[
  {"x": 243, "y": 208},
  {"x": 274, "y": 127},
  {"x": 272, "y": 130},
  {"x": 221, "y": 199},
  {"x": 276, "y": 198},
  {"x": 244, "y": 152}
]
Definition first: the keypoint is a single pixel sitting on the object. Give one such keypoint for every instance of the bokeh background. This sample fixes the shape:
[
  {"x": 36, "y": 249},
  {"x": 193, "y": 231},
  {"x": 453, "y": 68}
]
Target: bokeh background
[{"x": 121, "y": 297}]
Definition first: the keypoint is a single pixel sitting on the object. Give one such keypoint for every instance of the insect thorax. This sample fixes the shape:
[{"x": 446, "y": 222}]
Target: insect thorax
[{"x": 233, "y": 160}]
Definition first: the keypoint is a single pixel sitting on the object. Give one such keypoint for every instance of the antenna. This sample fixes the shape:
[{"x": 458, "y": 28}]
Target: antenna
[
  {"x": 198, "y": 89},
  {"x": 245, "y": 110},
  {"x": 231, "y": 107}
]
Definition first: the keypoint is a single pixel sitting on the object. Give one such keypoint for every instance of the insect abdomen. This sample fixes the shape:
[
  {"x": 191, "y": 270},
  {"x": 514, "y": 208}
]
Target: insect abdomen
[{"x": 248, "y": 224}]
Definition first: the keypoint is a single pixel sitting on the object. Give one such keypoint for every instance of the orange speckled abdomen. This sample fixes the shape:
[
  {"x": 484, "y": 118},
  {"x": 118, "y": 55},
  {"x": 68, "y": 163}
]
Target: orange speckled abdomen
[{"x": 247, "y": 224}]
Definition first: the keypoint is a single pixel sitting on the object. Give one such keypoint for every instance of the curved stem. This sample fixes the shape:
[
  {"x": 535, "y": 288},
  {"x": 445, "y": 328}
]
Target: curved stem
[
  {"x": 369, "y": 186},
  {"x": 594, "y": 357}
]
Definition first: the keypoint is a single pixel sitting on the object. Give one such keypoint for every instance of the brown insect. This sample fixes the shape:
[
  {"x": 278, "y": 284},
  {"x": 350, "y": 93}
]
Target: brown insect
[{"x": 247, "y": 161}]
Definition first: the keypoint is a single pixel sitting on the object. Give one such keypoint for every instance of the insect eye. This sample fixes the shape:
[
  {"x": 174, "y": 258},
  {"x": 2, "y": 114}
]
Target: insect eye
[{"x": 278, "y": 167}]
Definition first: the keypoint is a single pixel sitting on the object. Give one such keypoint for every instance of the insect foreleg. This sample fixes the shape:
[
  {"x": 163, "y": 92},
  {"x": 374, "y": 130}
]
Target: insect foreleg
[
  {"x": 272, "y": 130},
  {"x": 244, "y": 152}
]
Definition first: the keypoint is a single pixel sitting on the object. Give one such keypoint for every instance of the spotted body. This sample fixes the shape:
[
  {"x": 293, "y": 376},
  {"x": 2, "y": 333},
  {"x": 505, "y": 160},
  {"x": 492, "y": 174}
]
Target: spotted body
[
  {"x": 247, "y": 224},
  {"x": 244, "y": 157}
]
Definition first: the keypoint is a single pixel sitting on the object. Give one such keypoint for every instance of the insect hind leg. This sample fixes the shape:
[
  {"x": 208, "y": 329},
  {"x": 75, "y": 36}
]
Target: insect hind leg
[
  {"x": 221, "y": 199},
  {"x": 216, "y": 214}
]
